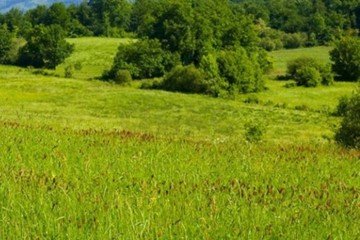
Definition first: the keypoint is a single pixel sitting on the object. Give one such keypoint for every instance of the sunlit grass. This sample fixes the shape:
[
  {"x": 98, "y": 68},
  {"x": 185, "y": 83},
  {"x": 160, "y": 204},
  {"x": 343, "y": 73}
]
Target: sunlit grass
[{"x": 85, "y": 159}]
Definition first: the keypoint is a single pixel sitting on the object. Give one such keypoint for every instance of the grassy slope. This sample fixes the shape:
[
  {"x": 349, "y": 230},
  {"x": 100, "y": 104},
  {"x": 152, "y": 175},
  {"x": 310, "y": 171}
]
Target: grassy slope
[
  {"x": 103, "y": 161},
  {"x": 95, "y": 55}
]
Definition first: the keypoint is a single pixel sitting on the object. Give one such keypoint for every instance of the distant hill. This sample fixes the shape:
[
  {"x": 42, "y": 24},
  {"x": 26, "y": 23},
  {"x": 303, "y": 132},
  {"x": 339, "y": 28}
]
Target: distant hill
[{"x": 6, "y": 5}]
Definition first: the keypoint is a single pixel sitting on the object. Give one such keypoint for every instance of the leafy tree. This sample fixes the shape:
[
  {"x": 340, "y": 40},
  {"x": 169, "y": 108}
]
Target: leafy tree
[
  {"x": 144, "y": 59},
  {"x": 346, "y": 59},
  {"x": 110, "y": 14},
  {"x": 6, "y": 44},
  {"x": 45, "y": 47},
  {"x": 57, "y": 14},
  {"x": 241, "y": 71}
]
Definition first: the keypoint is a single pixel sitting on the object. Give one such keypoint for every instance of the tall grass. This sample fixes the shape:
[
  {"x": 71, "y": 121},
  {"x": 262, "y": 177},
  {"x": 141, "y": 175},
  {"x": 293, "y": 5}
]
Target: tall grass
[
  {"x": 60, "y": 184},
  {"x": 84, "y": 159}
]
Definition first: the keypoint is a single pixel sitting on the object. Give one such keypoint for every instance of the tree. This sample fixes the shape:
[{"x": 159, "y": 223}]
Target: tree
[
  {"x": 57, "y": 14},
  {"x": 144, "y": 59},
  {"x": 45, "y": 47},
  {"x": 108, "y": 15},
  {"x": 6, "y": 44},
  {"x": 346, "y": 59}
]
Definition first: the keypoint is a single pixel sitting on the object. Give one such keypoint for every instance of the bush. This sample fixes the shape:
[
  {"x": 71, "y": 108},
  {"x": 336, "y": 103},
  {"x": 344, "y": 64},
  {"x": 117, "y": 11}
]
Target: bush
[
  {"x": 346, "y": 59},
  {"x": 69, "y": 71},
  {"x": 349, "y": 131},
  {"x": 45, "y": 47},
  {"x": 6, "y": 45},
  {"x": 294, "y": 40},
  {"x": 267, "y": 44},
  {"x": 122, "y": 77},
  {"x": 187, "y": 79},
  {"x": 254, "y": 132},
  {"x": 143, "y": 59},
  {"x": 342, "y": 107},
  {"x": 308, "y": 72},
  {"x": 308, "y": 76}
]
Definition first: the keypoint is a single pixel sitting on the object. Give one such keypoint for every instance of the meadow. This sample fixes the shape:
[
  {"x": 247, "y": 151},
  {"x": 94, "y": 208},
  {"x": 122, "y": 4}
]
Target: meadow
[{"x": 85, "y": 159}]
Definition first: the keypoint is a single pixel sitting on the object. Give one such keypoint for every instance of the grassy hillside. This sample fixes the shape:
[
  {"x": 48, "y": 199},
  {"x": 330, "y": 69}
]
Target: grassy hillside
[
  {"x": 84, "y": 159},
  {"x": 282, "y": 57},
  {"x": 94, "y": 54}
]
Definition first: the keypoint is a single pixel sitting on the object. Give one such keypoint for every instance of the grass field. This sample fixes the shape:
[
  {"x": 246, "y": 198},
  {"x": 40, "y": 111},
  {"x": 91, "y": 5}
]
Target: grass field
[{"x": 84, "y": 159}]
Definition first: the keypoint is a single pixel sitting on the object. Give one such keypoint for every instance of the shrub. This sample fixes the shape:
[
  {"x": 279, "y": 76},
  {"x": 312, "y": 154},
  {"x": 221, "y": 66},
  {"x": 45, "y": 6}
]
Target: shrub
[
  {"x": 308, "y": 76},
  {"x": 349, "y": 132},
  {"x": 69, "y": 71},
  {"x": 346, "y": 59},
  {"x": 187, "y": 79},
  {"x": 6, "y": 45},
  {"x": 342, "y": 106},
  {"x": 294, "y": 40},
  {"x": 45, "y": 47},
  {"x": 327, "y": 77},
  {"x": 254, "y": 132},
  {"x": 267, "y": 44},
  {"x": 122, "y": 77},
  {"x": 143, "y": 59},
  {"x": 308, "y": 72}
]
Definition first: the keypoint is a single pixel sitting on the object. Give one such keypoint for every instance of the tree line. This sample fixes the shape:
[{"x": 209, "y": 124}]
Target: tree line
[{"x": 288, "y": 23}]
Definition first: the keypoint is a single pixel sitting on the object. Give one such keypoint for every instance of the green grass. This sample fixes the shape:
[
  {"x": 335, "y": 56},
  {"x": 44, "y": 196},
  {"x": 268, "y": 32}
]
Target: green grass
[
  {"x": 94, "y": 54},
  {"x": 94, "y": 104},
  {"x": 84, "y": 159},
  {"x": 282, "y": 57},
  {"x": 60, "y": 184}
]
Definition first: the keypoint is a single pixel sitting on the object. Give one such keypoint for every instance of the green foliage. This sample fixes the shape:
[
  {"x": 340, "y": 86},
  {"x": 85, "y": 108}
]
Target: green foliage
[
  {"x": 349, "y": 132},
  {"x": 294, "y": 40},
  {"x": 194, "y": 29},
  {"x": 307, "y": 71},
  {"x": 6, "y": 45},
  {"x": 241, "y": 71},
  {"x": 342, "y": 107},
  {"x": 69, "y": 71},
  {"x": 122, "y": 77},
  {"x": 143, "y": 59},
  {"x": 184, "y": 79},
  {"x": 308, "y": 76},
  {"x": 45, "y": 47},
  {"x": 268, "y": 44},
  {"x": 346, "y": 59}
]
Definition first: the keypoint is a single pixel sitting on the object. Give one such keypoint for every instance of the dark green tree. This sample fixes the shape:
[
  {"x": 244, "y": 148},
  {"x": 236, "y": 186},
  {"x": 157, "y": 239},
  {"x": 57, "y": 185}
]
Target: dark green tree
[
  {"x": 45, "y": 47},
  {"x": 143, "y": 59},
  {"x": 6, "y": 44},
  {"x": 346, "y": 59}
]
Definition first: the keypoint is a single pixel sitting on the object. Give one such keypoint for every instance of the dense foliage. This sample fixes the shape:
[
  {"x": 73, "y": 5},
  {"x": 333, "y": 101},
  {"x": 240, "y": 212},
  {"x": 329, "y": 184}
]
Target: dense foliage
[
  {"x": 45, "y": 47},
  {"x": 349, "y": 132},
  {"x": 287, "y": 23},
  {"x": 184, "y": 79},
  {"x": 143, "y": 59},
  {"x": 309, "y": 72},
  {"x": 5, "y": 45},
  {"x": 320, "y": 20},
  {"x": 346, "y": 58}
]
